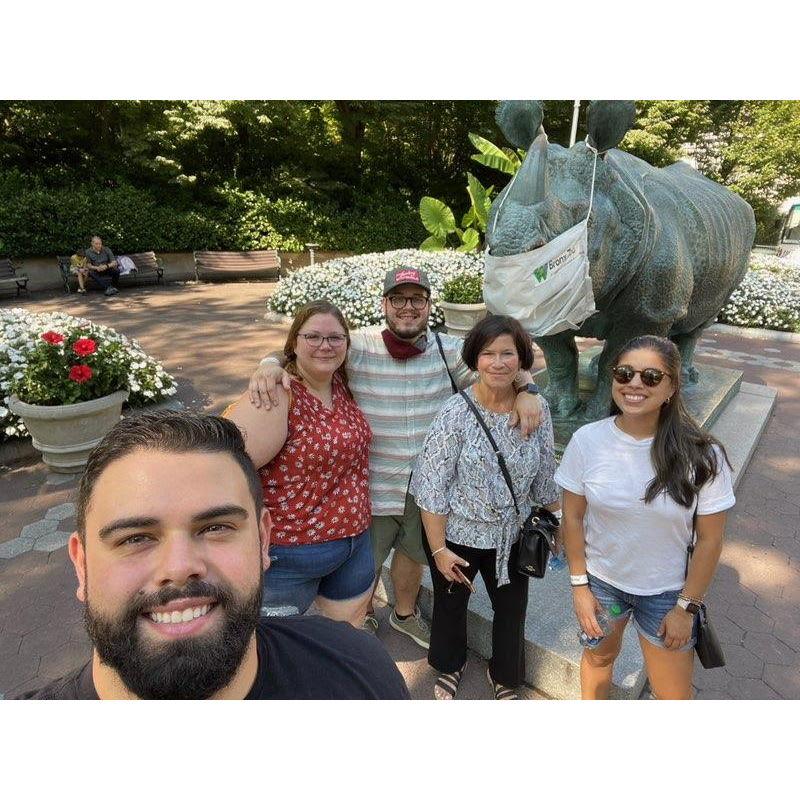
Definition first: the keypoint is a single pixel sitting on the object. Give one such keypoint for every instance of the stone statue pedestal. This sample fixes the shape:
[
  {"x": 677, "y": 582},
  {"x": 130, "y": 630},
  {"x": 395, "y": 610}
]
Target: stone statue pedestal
[{"x": 705, "y": 399}]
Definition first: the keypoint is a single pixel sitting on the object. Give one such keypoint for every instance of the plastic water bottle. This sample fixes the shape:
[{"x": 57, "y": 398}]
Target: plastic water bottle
[
  {"x": 605, "y": 619},
  {"x": 557, "y": 562}
]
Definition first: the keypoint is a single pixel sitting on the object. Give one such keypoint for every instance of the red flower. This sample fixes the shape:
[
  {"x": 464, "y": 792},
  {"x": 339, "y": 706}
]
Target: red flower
[
  {"x": 84, "y": 347},
  {"x": 80, "y": 374},
  {"x": 51, "y": 337}
]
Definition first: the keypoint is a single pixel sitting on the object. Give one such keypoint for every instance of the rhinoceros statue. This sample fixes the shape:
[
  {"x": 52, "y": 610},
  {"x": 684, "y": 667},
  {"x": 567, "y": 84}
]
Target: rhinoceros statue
[{"x": 666, "y": 247}]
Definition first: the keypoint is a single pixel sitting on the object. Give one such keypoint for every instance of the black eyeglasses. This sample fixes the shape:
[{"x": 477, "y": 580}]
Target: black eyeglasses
[
  {"x": 398, "y": 301},
  {"x": 651, "y": 376},
  {"x": 315, "y": 340}
]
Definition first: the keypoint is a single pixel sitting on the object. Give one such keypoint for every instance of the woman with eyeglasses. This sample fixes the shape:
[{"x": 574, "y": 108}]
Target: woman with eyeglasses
[
  {"x": 311, "y": 451},
  {"x": 639, "y": 487},
  {"x": 468, "y": 510}
]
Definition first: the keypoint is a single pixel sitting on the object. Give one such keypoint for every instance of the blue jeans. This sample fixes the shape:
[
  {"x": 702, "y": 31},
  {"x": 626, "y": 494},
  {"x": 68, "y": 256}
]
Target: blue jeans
[
  {"x": 339, "y": 570},
  {"x": 647, "y": 611}
]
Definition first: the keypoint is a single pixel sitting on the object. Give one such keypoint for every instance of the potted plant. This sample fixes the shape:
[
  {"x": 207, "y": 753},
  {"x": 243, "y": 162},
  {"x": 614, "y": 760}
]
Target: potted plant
[
  {"x": 462, "y": 303},
  {"x": 70, "y": 393}
]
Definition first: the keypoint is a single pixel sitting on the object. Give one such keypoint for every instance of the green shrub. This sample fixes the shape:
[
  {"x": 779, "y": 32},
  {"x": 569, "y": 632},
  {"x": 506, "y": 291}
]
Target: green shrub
[
  {"x": 40, "y": 221},
  {"x": 466, "y": 288}
]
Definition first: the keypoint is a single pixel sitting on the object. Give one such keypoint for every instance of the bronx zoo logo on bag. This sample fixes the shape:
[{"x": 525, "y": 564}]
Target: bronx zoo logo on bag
[{"x": 554, "y": 264}]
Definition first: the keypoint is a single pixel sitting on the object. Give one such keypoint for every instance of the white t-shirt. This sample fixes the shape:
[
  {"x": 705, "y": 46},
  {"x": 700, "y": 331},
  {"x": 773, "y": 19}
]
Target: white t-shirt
[{"x": 639, "y": 548}]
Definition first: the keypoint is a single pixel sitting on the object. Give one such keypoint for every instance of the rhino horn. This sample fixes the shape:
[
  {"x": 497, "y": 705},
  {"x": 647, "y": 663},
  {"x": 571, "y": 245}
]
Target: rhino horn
[
  {"x": 608, "y": 121},
  {"x": 539, "y": 152},
  {"x": 520, "y": 121}
]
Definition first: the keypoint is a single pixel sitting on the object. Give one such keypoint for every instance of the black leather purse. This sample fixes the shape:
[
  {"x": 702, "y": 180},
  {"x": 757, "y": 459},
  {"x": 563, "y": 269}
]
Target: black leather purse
[
  {"x": 537, "y": 533},
  {"x": 707, "y": 646}
]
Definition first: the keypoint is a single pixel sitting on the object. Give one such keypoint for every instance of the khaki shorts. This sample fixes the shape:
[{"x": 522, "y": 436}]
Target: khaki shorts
[{"x": 404, "y": 533}]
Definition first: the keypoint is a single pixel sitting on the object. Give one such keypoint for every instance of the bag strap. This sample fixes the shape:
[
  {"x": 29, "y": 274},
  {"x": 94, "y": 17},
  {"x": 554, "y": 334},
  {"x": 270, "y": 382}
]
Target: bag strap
[
  {"x": 690, "y": 552},
  {"x": 498, "y": 455},
  {"x": 441, "y": 352},
  {"x": 690, "y": 546}
]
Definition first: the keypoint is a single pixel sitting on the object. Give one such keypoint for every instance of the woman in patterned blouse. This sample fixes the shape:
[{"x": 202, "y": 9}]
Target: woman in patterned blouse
[
  {"x": 468, "y": 512},
  {"x": 312, "y": 454}
]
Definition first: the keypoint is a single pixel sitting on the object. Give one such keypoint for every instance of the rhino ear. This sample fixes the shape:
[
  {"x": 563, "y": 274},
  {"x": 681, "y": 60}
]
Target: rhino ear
[
  {"x": 519, "y": 120},
  {"x": 608, "y": 121}
]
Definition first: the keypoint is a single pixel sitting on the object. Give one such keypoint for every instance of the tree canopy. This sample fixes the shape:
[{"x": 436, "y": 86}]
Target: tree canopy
[{"x": 348, "y": 155}]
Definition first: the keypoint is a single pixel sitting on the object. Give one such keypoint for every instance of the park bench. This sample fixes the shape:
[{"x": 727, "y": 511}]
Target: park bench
[
  {"x": 11, "y": 278},
  {"x": 148, "y": 270},
  {"x": 221, "y": 265}
]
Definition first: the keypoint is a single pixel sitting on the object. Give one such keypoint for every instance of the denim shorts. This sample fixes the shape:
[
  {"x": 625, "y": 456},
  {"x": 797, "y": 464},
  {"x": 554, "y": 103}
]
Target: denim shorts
[
  {"x": 337, "y": 570},
  {"x": 647, "y": 610}
]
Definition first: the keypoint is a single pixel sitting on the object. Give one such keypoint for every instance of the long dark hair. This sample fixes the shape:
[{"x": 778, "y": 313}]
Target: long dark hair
[
  {"x": 304, "y": 314},
  {"x": 682, "y": 452}
]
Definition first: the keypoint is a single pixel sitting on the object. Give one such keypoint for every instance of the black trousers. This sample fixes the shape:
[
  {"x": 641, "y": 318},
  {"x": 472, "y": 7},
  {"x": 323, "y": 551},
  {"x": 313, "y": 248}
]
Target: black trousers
[
  {"x": 448, "y": 648},
  {"x": 106, "y": 278}
]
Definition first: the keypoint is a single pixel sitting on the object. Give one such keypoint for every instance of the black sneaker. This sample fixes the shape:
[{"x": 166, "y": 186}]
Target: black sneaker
[{"x": 111, "y": 291}]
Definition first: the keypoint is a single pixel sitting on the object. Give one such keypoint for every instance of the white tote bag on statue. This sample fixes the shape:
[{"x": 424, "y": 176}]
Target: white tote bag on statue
[{"x": 548, "y": 289}]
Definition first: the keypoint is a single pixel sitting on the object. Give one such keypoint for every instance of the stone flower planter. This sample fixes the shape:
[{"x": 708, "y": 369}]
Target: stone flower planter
[
  {"x": 66, "y": 434},
  {"x": 459, "y": 318}
]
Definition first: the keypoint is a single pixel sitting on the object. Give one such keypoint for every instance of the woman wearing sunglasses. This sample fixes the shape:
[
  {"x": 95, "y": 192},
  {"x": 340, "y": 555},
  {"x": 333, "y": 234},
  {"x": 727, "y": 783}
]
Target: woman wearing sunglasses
[
  {"x": 639, "y": 486},
  {"x": 311, "y": 451}
]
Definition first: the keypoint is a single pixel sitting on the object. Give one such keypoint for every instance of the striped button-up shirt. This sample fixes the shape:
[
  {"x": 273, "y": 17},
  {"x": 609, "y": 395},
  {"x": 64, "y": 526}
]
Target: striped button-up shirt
[{"x": 400, "y": 400}]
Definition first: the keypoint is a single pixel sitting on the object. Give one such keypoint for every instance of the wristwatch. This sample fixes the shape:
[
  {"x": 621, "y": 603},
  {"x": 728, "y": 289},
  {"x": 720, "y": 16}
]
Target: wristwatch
[
  {"x": 689, "y": 605},
  {"x": 530, "y": 388}
]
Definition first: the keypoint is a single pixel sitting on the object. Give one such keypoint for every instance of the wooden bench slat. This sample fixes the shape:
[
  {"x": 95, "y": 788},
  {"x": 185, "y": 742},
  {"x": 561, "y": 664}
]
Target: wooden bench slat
[{"x": 243, "y": 264}]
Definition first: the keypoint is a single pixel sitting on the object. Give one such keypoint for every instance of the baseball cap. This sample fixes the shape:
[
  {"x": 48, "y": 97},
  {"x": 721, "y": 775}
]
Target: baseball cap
[{"x": 397, "y": 277}]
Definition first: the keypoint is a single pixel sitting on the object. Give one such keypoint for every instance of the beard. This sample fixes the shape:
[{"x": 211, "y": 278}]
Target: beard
[
  {"x": 411, "y": 329},
  {"x": 193, "y": 668}
]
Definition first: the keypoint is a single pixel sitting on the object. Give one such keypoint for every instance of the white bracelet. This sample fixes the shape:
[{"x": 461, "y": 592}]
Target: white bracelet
[
  {"x": 579, "y": 580},
  {"x": 269, "y": 360},
  {"x": 438, "y": 551}
]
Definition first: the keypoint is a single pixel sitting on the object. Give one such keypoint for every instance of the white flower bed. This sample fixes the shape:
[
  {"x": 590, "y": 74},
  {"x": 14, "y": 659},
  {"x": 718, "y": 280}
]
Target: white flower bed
[
  {"x": 21, "y": 331},
  {"x": 355, "y": 284},
  {"x": 768, "y": 297}
]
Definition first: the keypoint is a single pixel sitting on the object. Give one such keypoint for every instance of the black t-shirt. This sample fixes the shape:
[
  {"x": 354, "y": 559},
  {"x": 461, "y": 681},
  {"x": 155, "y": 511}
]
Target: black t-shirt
[{"x": 299, "y": 658}]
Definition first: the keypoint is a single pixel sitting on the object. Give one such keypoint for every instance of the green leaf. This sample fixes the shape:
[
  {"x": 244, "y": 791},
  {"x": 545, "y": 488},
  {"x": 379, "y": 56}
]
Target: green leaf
[
  {"x": 437, "y": 217},
  {"x": 471, "y": 241},
  {"x": 468, "y": 218},
  {"x": 490, "y": 155},
  {"x": 432, "y": 243},
  {"x": 477, "y": 194}
]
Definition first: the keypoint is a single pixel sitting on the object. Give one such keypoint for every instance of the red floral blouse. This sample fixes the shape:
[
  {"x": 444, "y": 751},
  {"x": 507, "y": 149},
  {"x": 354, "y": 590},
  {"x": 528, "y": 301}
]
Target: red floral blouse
[{"x": 317, "y": 487}]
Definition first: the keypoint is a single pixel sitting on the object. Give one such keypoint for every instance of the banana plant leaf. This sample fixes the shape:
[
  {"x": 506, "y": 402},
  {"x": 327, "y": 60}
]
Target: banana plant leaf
[{"x": 437, "y": 217}]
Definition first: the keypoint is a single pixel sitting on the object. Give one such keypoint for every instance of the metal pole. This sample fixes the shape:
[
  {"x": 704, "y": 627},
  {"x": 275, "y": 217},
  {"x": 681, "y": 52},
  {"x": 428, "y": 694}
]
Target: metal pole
[{"x": 576, "y": 110}]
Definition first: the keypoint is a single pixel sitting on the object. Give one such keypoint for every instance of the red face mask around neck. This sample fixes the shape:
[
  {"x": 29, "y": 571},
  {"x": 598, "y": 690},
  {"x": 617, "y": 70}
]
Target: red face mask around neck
[{"x": 402, "y": 349}]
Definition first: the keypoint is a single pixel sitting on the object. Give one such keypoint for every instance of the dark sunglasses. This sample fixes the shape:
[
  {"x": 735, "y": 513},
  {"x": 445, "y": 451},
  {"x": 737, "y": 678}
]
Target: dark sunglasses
[{"x": 650, "y": 375}]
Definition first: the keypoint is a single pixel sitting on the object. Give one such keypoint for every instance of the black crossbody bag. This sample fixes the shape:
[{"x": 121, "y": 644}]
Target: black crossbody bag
[{"x": 707, "y": 646}]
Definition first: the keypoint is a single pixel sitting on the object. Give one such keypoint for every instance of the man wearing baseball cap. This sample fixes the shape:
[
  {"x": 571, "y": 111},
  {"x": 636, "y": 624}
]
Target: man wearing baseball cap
[{"x": 399, "y": 379}]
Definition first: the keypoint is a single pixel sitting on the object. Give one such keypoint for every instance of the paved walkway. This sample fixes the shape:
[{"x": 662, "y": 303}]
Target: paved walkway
[{"x": 210, "y": 336}]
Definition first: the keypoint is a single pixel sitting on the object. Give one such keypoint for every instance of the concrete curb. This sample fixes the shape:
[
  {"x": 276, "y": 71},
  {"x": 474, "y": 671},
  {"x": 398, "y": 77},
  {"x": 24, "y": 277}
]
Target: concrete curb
[{"x": 754, "y": 333}]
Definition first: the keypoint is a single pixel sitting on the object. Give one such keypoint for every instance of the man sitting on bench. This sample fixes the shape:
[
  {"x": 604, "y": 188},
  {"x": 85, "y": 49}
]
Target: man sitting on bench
[{"x": 102, "y": 264}]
